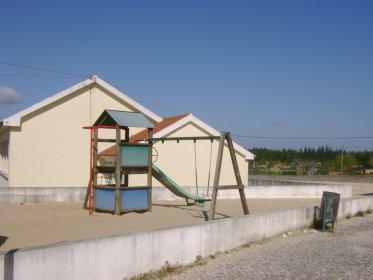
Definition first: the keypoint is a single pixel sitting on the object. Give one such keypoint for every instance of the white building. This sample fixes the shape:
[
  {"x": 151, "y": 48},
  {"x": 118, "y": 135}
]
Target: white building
[{"x": 45, "y": 145}]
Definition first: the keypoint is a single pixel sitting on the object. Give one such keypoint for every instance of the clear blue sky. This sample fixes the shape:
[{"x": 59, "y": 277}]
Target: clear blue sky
[{"x": 255, "y": 68}]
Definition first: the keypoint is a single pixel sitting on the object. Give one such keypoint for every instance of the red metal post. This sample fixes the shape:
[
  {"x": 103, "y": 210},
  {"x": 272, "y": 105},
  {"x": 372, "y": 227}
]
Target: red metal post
[{"x": 90, "y": 207}]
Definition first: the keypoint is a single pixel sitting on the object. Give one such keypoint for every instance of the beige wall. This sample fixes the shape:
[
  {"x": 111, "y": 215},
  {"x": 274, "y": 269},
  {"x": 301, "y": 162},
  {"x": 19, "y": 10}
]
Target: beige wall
[{"x": 51, "y": 149}]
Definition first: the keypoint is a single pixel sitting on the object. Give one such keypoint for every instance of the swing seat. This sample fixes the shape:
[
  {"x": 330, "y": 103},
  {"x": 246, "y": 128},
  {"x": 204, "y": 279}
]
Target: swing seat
[{"x": 200, "y": 202}]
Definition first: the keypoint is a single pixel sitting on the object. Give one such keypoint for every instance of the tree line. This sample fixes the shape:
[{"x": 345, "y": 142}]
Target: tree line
[{"x": 323, "y": 159}]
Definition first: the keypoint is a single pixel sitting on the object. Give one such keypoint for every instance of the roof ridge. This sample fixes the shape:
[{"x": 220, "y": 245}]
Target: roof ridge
[
  {"x": 180, "y": 120},
  {"x": 15, "y": 119},
  {"x": 176, "y": 116},
  {"x": 166, "y": 122}
]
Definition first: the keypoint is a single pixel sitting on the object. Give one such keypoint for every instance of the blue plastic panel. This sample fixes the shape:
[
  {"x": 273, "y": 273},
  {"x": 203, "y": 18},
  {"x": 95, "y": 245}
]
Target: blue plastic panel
[
  {"x": 135, "y": 155},
  {"x": 134, "y": 199},
  {"x": 105, "y": 199}
]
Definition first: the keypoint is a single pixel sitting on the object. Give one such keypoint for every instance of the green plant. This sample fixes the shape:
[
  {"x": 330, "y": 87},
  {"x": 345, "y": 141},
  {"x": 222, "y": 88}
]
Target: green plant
[
  {"x": 360, "y": 214},
  {"x": 213, "y": 256},
  {"x": 165, "y": 270},
  {"x": 199, "y": 261},
  {"x": 169, "y": 268},
  {"x": 246, "y": 245},
  {"x": 348, "y": 216},
  {"x": 369, "y": 211},
  {"x": 317, "y": 224}
]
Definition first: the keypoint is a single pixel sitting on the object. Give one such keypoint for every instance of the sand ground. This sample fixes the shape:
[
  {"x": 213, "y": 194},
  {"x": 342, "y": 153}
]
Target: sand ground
[{"x": 27, "y": 225}]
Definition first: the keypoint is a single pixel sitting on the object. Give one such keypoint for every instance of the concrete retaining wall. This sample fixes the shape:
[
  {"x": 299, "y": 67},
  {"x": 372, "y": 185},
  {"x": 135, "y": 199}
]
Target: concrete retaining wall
[
  {"x": 300, "y": 191},
  {"x": 34, "y": 195},
  {"x": 316, "y": 178},
  {"x": 351, "y": 206},
  {"x": 131, "y": 254}
]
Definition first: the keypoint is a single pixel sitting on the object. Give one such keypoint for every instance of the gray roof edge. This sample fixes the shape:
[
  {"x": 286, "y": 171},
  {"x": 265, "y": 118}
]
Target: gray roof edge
[{"x": 126, "y": 118}]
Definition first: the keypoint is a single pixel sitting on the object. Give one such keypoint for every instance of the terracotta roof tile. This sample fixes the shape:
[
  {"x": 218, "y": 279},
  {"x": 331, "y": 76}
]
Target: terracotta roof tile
[
  {"x": 108, "y": 152},
  {"x": 166, "y": 122}
]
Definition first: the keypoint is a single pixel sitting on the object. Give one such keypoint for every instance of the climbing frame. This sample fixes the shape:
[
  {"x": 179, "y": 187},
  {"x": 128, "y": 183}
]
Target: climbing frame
[{"x": 131, "y": 158}]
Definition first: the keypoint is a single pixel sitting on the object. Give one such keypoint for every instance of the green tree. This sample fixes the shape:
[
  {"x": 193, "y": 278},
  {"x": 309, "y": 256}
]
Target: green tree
[
  {"x": 346, "y": 163},
  {"x": 371, "y": 162}
]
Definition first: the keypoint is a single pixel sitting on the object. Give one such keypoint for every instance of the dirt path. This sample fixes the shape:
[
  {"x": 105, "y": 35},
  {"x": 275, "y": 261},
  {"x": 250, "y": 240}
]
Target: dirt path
[{"x": 345, "y": 254}]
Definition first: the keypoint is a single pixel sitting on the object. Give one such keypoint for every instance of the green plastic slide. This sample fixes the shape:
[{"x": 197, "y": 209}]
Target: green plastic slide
[{"x": 176, "y": 189}]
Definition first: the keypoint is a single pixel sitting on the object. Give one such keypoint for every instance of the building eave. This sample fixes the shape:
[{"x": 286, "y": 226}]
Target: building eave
[
  {"x": 213, "y": 132},
  {"x": 15, "y": 120}
]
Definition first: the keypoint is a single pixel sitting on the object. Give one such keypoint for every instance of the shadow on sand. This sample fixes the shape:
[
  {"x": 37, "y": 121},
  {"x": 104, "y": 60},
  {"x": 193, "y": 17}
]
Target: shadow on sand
[{"x": 193, "y": 212}]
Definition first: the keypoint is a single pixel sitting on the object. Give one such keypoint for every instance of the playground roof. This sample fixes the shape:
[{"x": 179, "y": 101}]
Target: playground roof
[
  {"x": 123, "y": 118},
  {"x": 144, "y": 133}
]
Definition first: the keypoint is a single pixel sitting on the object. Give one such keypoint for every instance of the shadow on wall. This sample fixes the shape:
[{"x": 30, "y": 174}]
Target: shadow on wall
[
  {"x": 3, "y": 180},
  {"x": 3, "y": 239}
]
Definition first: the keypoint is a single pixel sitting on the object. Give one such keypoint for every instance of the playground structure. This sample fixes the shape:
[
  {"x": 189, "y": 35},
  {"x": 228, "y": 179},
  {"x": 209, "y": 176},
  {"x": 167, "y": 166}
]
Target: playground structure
[
  {"x": 130, "y": 159},
  {"x": 136, "y": 158}
]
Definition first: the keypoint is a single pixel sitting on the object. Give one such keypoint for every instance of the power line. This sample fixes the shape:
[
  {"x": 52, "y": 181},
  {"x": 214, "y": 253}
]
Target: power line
[
  {"x": 42, "y": 69},
  {"x": 303, "y": 138},
  {"x": 38, "y": 76}
]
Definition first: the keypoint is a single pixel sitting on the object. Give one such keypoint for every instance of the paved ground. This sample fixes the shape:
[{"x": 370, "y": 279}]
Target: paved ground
[{"x": 345, "y": 254}]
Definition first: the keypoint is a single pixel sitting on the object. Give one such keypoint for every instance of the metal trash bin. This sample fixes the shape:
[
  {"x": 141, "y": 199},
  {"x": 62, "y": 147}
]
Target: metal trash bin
[{"x": 329, "y": 208}]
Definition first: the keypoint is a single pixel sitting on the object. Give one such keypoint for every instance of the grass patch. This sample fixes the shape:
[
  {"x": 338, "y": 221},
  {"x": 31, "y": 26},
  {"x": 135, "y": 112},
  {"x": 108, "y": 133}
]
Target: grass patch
[
  {"x": 213, "y": 256},
  {"x": 362, "y": 214},
  {"x": 199, "y": 261},
  {"x": 246, "y": 245},
  {"x": 359, "y": 214},
  {"x": 165, "y": 270},
  {"x": 317, "y": 224},
  {"x": 170, "y": 269}
]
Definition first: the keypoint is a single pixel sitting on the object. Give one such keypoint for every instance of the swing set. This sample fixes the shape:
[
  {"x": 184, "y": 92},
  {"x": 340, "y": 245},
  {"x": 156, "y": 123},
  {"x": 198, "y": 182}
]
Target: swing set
[
  {"x": 224, "y": 137},
  {"x": 194, "y": 139}
]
